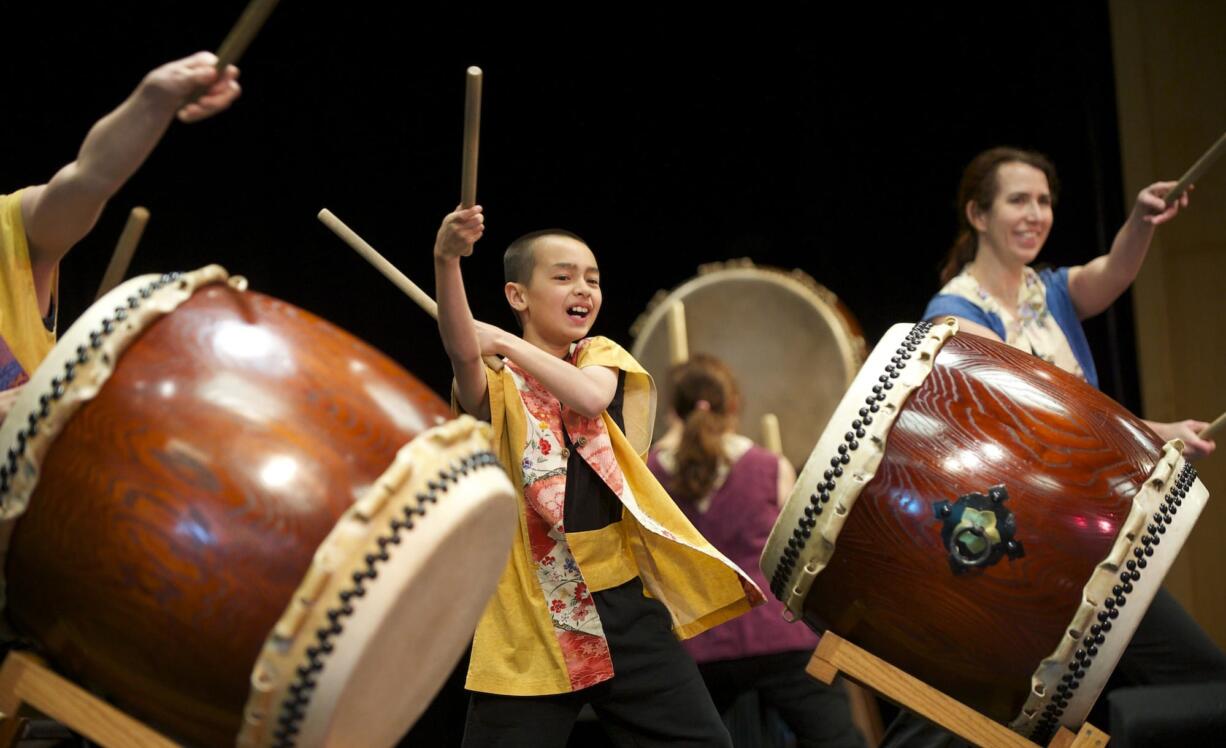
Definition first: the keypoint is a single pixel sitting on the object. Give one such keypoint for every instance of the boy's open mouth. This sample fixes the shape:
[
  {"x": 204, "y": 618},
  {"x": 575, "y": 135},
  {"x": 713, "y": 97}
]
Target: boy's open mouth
[{"x": 579, "y": 311}]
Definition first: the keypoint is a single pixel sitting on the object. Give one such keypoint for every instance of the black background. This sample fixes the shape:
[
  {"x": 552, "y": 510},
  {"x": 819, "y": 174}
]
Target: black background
[{"x": 786, "y": 133}]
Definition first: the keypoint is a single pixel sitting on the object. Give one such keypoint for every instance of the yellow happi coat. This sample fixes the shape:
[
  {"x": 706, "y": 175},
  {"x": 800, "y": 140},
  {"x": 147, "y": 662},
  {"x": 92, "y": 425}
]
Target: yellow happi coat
[
  {"x": 515, "y": 650},
  {"x": 24, "y": 338}
]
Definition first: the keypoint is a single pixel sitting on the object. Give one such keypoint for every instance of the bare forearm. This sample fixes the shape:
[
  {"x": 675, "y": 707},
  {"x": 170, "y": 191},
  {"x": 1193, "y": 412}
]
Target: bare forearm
[
  {"x": 587, "y": 391},
  {"x": 1105, "y": 278},
  {"x": 458, "y": 331},
  {"x": 120, "y": 142},
  {"x": 1096, "y": 285}
]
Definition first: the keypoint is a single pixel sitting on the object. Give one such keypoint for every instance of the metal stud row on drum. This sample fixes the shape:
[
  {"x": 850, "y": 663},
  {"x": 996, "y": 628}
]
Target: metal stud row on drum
[
  {"x": 822, "y": 492},
  {"x": 1083, "y": 657},
  {"x": 60, "y": 382},
  {"x": 294, "y": 706}
]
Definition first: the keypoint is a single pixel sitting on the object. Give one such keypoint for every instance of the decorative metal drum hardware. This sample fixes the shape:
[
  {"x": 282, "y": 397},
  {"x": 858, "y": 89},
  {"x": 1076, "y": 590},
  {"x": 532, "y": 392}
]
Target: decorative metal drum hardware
[{"x": 978, "y": 530}]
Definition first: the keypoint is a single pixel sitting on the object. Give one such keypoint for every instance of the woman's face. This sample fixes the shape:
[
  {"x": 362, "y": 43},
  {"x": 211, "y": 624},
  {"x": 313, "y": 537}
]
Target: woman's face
[{"x": 1015, "y": 228}]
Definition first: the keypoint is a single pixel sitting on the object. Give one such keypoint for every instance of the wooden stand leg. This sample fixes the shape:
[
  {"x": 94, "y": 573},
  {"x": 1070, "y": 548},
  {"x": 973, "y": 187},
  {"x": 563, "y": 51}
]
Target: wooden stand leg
[
  {"x": 26, "y": 684},
  {"x": 836, "y": 655}
]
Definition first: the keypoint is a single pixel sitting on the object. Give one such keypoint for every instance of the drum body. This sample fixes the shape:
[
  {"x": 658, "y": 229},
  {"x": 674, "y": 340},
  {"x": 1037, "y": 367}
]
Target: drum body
[
  {"x": 985, "y": 521},
  {"x": 793, "y": 346},
  {"x": 198, "y": 453}
]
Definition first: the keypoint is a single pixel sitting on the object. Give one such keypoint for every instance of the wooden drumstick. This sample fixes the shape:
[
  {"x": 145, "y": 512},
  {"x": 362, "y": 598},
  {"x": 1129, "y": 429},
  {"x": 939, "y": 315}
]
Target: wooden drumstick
[
  {"x": 678, "y": 343},
  {"x": 390, "y": 271},
  {"x": 1214, "y": 427},
  {"x": 472, "y": 137},
  {"x": 124, "y": 249},
  {"x": 244, "y": 31},
  {"x": 239, "y": 38},
  {"x": 771, "y": 439},
  {"x": 1198, "y": 170}
]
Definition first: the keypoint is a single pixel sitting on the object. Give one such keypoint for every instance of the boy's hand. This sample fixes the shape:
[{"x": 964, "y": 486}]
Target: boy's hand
[
  {"x": 492, "y": 339},
  {"x": 459, "y": 231}
]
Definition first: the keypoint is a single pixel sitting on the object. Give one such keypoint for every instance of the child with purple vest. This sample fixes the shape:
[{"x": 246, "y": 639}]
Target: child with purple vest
[{"x": 731, "y": 489}]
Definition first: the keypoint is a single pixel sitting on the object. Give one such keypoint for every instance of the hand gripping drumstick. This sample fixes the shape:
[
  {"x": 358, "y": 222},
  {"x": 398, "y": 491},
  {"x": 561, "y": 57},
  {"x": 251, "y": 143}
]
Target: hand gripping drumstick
[
  {"x": 124, "y": 249},
  {"x": 771, "y": 439},
  {"x": 401, "y": 281},
  {"x": 240, "y": 37},
  {"x": 678, "y": 343},
  {"x": 472, "y": 137},
  {"x": 1198, "y": 170},
  {"x": 1213, "y": 428}
]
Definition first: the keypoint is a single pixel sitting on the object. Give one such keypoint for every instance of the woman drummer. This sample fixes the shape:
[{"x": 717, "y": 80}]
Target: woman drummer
[{"x": 1005, "y": 204}]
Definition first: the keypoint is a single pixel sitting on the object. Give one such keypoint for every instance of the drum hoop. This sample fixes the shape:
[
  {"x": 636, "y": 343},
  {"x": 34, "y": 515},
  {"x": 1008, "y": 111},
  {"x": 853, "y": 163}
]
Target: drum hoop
[
  {"x": 795, "y": 535},
  {"x": 76, "y": 369},
  {"x": 1171, "y": 484},
  {"x": 292, "y": 665}
]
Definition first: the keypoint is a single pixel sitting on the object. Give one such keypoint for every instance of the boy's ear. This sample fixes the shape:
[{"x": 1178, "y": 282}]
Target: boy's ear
[{"x": 515, "y": 296}]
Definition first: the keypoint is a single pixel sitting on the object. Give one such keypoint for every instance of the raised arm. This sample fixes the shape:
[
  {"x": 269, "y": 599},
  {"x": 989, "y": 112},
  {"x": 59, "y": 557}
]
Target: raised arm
[
  {"x": 1097, "y": 284},
  {"x": 60, "y": 213},
  {"x": 587, "y": 391},
  {"x": 456, "y": 236}
]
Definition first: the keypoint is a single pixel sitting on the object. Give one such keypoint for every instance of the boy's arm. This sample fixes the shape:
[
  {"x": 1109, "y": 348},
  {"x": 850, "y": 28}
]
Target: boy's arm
[
  {"x": 60, "y": 213},
  {"x": 456, "y": 236},
  {"x": 588, "y": 391}
]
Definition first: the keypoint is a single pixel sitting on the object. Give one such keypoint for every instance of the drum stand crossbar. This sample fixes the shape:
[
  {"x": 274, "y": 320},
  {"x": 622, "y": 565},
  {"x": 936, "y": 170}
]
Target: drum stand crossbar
[
  {"x": 28, "y": 688},
  {"x": 835, "y": 655}
]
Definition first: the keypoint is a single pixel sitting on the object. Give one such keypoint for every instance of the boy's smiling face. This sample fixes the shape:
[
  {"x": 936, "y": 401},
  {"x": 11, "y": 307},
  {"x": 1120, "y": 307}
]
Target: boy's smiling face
[{"x": 559, "y": 304}]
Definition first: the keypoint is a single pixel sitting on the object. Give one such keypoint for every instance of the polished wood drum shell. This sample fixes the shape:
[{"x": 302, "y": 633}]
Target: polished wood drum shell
[
  {"x": 178, "y": 509},
  {"x": 969, "y": 530}
]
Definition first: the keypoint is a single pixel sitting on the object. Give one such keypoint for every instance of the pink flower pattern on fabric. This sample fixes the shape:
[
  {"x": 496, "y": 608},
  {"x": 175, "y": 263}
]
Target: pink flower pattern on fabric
[{"x": 571, "y": 607}]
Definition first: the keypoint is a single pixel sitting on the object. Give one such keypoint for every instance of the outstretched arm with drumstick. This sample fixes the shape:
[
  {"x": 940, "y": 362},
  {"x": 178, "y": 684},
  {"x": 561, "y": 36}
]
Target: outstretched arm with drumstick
[
  {"x": 60, "y": 213},
  {"x": 456, "y": 236},
  {"x": 1097, "y": 284}
]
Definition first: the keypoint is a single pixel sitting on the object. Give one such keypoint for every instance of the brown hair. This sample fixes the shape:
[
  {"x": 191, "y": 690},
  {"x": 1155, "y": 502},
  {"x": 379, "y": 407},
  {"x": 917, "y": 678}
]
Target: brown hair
[
  {"x": 702, "y": 379},
  {"x": 980, "y": 185}
]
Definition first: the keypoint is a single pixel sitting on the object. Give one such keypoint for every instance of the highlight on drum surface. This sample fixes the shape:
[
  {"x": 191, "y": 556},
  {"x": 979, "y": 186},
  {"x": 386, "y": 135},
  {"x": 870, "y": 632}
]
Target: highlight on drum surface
[
  {"x": 945, "y": 523},
  {"x": 197, "y": 489}
]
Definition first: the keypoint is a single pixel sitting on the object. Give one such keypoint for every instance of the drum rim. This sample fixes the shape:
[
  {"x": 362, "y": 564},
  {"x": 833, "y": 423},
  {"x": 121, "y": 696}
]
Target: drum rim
[
  {"x": 1171, "y": 479},
  {"x": 922, "y": 342},
  {"x": 837, "y": 320},
  {"x": 851, "y": 343},
  {"x": 452, "y": 459},
  {"x": 77, "y": 368},
  {"x": 1134, "y": 542}
]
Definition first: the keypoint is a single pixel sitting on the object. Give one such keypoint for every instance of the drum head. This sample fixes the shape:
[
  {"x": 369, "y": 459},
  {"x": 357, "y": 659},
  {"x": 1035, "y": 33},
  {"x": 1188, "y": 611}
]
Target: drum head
[
  {"x": 793, "y": 346},
  {"x": 391, "y": 600}
]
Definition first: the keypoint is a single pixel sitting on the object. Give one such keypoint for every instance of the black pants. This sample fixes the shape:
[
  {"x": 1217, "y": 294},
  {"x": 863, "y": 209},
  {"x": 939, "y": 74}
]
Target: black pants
[
  {"x": 819, "y": 715},
  {"x": 1167, "y": 648},
  {"x": 655, "y": 698}
]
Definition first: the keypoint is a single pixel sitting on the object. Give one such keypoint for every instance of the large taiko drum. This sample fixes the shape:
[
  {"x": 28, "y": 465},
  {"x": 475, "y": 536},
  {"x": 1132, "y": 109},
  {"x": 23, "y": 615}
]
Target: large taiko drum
[
  {"x": 985, "y": 521},
  {"x": 792, "y": 344},
  {"x": 240, "y": 523}
]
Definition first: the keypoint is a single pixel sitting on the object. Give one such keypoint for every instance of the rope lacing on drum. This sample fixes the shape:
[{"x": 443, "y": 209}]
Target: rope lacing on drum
[
  {"x": 822, "y": 492},
  {"x": 60, "y": 382},
  {"x": 294, "y": 706},
  {"x": 1083, "y": 658}
]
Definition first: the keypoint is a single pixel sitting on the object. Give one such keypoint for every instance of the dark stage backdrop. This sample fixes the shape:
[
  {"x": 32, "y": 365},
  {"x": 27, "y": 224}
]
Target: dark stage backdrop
[{"x": 830, "y": 143}]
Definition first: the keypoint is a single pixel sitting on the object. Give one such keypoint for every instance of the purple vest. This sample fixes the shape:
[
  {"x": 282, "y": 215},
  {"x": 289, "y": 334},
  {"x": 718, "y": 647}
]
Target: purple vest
[{"x": 737, "y": 522}]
